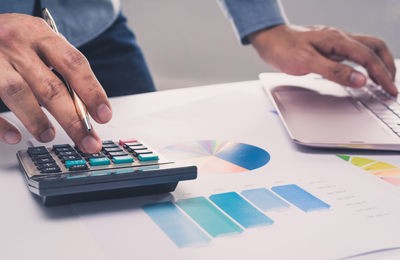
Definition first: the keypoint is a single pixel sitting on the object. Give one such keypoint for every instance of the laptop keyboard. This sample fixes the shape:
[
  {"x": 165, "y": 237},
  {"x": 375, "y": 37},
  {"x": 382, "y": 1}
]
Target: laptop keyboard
[{"x": 383, "y": 105}]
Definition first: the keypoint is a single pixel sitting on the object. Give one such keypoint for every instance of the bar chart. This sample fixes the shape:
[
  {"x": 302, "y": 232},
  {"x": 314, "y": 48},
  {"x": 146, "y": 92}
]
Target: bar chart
[{"x": 199, "y": 220}]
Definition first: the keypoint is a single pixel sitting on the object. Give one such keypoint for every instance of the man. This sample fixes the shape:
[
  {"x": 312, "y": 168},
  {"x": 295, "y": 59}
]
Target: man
[{"x": 29, "y": 49}]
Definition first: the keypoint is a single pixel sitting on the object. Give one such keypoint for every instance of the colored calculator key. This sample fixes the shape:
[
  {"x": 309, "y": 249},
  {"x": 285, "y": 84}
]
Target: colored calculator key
[
  {"x": 99, "y": 161},
  {"x": 63, "y": 174}
]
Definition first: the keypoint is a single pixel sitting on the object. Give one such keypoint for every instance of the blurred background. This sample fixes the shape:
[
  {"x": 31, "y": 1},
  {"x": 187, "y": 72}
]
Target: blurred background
[{"x": 191, "y": 43}]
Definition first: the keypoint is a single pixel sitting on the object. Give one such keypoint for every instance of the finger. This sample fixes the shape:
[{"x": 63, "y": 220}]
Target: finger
[
  {"x": 18, "y": 97},
  {"x": 9, "y": 133},
  {"x": 364, "y": 56},
  {"x": 337, "y": 72},
  {"x": 380, "y": 49},
  {"x": 52, "y": 94},
  {"x": 75, "y": 69}
]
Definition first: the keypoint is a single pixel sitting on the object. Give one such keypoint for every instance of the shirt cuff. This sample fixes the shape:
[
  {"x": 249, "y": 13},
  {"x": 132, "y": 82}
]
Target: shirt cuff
[{"x": 250, "y": 16}]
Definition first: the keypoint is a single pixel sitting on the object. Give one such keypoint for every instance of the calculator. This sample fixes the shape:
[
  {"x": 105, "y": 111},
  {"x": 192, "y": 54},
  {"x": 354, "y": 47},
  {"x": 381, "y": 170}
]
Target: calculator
[{"x": 63, "y": 174}]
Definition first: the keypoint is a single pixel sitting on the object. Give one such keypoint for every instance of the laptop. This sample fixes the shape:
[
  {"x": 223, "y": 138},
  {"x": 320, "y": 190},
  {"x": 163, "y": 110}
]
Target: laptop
[{"x": 320, "y": 113}]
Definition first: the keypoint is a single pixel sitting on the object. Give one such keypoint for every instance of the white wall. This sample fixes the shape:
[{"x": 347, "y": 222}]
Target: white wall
[{"x": 190, "y": 42}]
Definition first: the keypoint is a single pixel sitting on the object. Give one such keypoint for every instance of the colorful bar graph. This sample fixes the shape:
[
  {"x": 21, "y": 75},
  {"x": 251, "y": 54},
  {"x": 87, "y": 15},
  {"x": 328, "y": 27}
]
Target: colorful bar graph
[
  {"x": 179, "y": 228},
  {"x": 240, "y": 210},
  {"x": 300, "y": 198},
  {"x": 211, "y": 219},
  {"x": 264, "y": 199}
]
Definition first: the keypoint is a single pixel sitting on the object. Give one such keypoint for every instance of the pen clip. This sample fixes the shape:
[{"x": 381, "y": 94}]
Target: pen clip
[{"x": 49, "y": 19}]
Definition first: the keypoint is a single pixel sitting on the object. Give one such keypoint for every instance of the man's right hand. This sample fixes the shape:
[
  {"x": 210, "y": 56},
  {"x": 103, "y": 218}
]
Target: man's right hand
[{"x": 28, "y": 49}]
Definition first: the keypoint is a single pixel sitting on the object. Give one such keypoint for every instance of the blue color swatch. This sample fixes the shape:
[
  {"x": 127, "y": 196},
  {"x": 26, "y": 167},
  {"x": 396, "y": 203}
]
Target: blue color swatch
[
  {"x": 240, "y": 210},
  {"x": 264, "y": 199},
  {"x": 245, "y": 155},
  {"x": 179, "y": 228},
  {"x": 300, "y": 198},
  {"x": 209, "y": 217}
]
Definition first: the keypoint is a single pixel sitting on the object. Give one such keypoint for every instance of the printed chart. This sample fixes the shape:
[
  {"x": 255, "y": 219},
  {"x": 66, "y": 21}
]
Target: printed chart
[
  {"x": 213, "y": 156},
  {"x": 384, "y": 171},
  {"x": 194, "y": 221}
]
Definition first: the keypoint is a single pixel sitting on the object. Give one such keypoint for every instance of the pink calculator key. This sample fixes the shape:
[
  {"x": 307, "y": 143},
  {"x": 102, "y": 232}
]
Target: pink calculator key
[{"x": 122, "y": 142}]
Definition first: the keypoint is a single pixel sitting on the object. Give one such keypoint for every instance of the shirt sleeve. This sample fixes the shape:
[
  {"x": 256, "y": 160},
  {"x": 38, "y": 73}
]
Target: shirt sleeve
[{"x": 250, "y": 16}]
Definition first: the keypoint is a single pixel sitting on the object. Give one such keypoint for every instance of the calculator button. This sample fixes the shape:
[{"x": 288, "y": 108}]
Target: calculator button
[
  {"x": 37, "y": 150},
  {"x": 74, "y": 162},
  {"x": 122, "y": 142},
  {"x": 67, "y": 153},
  {"x": 40, "y": 156},
  {"x": 51, "y": 170},
  {"x": 94, "y": 155},
  {"x": 117, "y": 149},
  {"x": 44, "y": 160},
  {"x": 78, "y": 167},
  {"x": 58, "y": 146},
  {"x": 46, "y": 165},
  {"x": 70, "y": 158},
  {"x": 117, "y": 154},
  {"x": 136, "y": 153},
  {"x": 141, "y": 147},
  {"x": 122, "y": 159},
  {"x": 108, "y": 142},
  {"x": 127, "y": 145},
  {"x": 99, "y": 161},
  {"x": 147, "y": 157},
  {"x": 110, "y": 146},
  {"x": 60, "y": 150}
]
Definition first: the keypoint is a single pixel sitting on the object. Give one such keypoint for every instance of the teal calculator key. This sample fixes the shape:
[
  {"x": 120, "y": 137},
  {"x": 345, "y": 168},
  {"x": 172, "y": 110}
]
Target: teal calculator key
[
  {"x": 74, "y": 162},
  {"x": 122, "y": 159},
  {"x": 147, "y": 157},
  {"x": 99, "y": 161}
]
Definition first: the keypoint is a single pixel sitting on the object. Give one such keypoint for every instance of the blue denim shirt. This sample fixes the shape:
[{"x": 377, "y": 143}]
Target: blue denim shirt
[
  {"x": 82, "y": 20},
  {"x": 250, "y": 16}
]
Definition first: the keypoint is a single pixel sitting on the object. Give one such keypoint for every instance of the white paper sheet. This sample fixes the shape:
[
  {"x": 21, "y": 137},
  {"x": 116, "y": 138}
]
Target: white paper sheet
[{"x": 364, "y": 209}]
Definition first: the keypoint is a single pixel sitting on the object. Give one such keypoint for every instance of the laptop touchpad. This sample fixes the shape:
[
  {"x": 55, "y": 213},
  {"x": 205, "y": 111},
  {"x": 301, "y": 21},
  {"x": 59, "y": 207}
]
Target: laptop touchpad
[
  {"x": 329, "y": 117},
  {"x": 311, "y": 101}
]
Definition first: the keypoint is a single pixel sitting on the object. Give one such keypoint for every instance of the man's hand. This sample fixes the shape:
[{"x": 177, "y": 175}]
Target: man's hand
[
  {"x": 28, "y": 48},
  {"x": 299, "y": 50}
]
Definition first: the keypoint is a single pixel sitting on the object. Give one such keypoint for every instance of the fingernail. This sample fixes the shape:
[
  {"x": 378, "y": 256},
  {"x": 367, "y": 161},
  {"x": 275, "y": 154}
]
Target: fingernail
[
  {"x": 357, "y": 79},
  {"x": 104, "y": 113},
  {"x": 47, "y": 135},
  {"x": 90, "y": 144},
  {"x": 11, "y": 137}
]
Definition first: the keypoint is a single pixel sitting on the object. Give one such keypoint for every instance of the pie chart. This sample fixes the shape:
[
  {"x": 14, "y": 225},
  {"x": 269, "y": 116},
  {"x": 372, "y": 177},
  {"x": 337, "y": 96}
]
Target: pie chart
[{"x": 212, "y": 156}]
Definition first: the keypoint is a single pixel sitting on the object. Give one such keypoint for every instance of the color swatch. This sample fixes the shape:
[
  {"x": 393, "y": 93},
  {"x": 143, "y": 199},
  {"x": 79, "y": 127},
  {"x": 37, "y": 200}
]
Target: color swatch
[
  {"x": 264, "y": 199},
  {"x": 300, "y": 198},
  {"x": 212, "y": 156},
  {"x": 240, "y": 210},
  {"x": 175, "y": 224},
  {"x": 195, "y": 221},
  {"x": 385, "y": 171},
  {"x": 209, "y": 217}
]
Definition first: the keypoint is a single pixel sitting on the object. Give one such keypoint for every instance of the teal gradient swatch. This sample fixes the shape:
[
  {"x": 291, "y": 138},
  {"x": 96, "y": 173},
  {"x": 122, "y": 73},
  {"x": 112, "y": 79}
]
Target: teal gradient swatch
[
  {"x": 300, "y": 198},
  {"x": 211, "y": 219},
  {"x": 178, "y": 227},
  {"x": 264, "y": 199},
  {"x": 240, "y": 210}
]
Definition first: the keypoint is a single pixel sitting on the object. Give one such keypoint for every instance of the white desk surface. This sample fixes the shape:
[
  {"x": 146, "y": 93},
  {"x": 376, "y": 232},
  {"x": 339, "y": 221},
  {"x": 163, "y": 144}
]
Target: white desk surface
[{"x": 31, "y": 231}]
